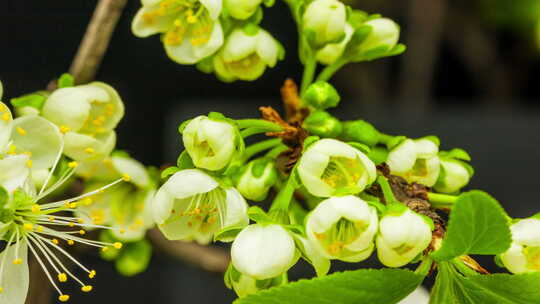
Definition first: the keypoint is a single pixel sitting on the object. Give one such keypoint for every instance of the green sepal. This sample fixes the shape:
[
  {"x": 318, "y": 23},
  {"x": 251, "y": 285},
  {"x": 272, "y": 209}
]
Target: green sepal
[
  {"x": 498, "y": 261},
  {"x": 184, "y": 161},
  {"x": 395, "y": 141},
  {"x": 34, "y": 100},
  {"x": 428, "y": 220},
  {"x": 395, "y": 209},
  {"x": 295, "y": 228},
  {"x": 183, "y": 125},
  {"x": 381, "y": 208},
  {"x": 434, "y": 139},
  {"x": 66, "y": 80},
  {"x": 309, "y": 141},
  {"x": 356, "y": 17},
  {"x": 360, "y": 131},
  {"x": 456, "y": 153},
  {"x": 536, "y": 216},
  {"x": 360, "y": 147},
  {"x": 21, "y": 200},
  {"x": 250, "y": 29},
  {"x": 257, "y": 17},
  {"x": 378, "y": 155},
  {"x": 258, "y": 215},
  {"x": 269, "y": 3},
  {"x": 227, "y": 233},
  {"x": 169, "y": 171},
  {"x": 206, "y": 65},
  {"x": 360, "y": 34},
  {"x": 322, "y": 124},
  {"x": 134, "y": 258},
  {"x": 231, "y": 275}
]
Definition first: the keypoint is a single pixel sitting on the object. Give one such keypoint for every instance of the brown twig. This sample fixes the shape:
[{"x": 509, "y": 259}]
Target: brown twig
[
  {"x": 96, "y": 40},
  {"x": 209, "y": 258}
]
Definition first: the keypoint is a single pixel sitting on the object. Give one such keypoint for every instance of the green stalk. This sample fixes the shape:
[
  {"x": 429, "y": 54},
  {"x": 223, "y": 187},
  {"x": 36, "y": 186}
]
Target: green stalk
[
  {"x": 252, "y": 131},
  {"x": 442, "y": 201},
  {"x": 276, "y": 151},
  {"x": 330, "y": 70},
  {"x": 309, "y": 73},
  {"x": 425, "y": 266},
  {"x": 385, "y": 138},
  {"x": 387, "y": 190},
  {"x": 259, "y": 147},
  {"x": 260, "y": 124},
  {"x": 285, "y": 195}
]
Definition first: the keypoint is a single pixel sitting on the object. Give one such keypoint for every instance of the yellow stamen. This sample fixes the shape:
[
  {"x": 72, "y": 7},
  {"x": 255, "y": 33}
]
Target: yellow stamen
[
  {"x": 21, "y": 131},
  {"x": 28, "y": 226},
  {"x": 89, "y": 150},
  {"x": 29, "y": 163},
  {"x": 82, "y": 232},
  {"x": 17, "y": 261},
  {"x": 62, "y": 277},
  {"x": 71, "y": 242},
  {"x": 92, "y": 274},
  {"x": 126, "y": 177},
  {"x": 55, "y": 241},
  {"x": 36, "y": 208},
  {"x": 73, "y": 164},
  {"x": 6, "y": 116},
  {"x": 118, "y": 245},
  {"x": 63, "y": 298},
  {"x": 87, "y": 288},
  {"x": 64, "y": 129}
]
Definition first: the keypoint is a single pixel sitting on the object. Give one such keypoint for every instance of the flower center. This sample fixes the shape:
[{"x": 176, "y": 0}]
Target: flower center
[
  {"x": 533, "y": 257},
  {"x": 342, "y": 172},
  {"x": 341, "y": 234},
  {"x": 96, "y": 122},
  {"x": 205, "y": 210},
  {"x": 245, "y": 63}
]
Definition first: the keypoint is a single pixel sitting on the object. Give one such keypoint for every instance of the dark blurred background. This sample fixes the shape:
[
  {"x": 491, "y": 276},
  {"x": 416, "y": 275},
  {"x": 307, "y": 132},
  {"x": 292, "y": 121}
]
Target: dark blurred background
[{"x": 469, "y": 76}]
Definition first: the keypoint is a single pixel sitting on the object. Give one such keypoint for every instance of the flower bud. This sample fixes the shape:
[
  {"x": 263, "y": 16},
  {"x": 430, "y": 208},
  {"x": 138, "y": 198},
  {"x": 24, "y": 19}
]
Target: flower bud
[
  {"x": 210, "y": 143},
  {"x": 322, "y": 95},
  {"x": 330, "y": 167},
  {"x": 245, "y": 285},
  {"x": 332, "y": 51},
  {"x": 415, "y": 161},
  {"x": 360, "y": 131},
  {"x": 263, "y": 252},
  {"x": 384, "y": 35},
  {"x": 322, "y": 124},
  {"x": 455, "y": 174},
  {"x": 246, "y": 54},
  {"x": 343, "y": 228},
  {"x": 324, "y": 22},
  {"x": 256, "y": 178},
  {"x": 242, "y": 9},
  {"x": 524, "y": 253},
  {"x": 402, "y": 236},
  {"x": 192, "y": 205}
]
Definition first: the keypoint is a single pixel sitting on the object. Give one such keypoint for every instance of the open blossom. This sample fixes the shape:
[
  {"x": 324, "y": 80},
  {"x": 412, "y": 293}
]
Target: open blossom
[
  {"x": 245, "y": 56},
  {"x": 126, "y": 207},
  {"x": 192, "y": 205},
  {"x": 324, "y": 22},
  {"x": 87, "y": 116},
  {"x": 416, "y": 161},
  {"x": 210, "y": 143},
  {"x": 402, "y": 237},
  {"x": 343, "y": 228},
  {"x": 263, "y": 251},
  {"x": 330, "y": 167},
  {"x": 28, "y": 226},
  {"x": 524, "y": 254},
  {"x": 191, "y": 29}
]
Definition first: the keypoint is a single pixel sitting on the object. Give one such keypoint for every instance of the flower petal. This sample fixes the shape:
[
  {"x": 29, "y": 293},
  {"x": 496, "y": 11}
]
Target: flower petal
[
  {"x": 143, "y": 27},
  {"x": 14, "y": 172},
  {"x": 187, "y": 53},
  {"x": 15, "y": 278},
  {"x": 527, "y": 232},
  {"x": 135, "y": 170},
  {"x": 402, "y": 158},
  {"x": 68, "y": 107},
  {"x": 83, "y": 147},
  {"x": 213, "y": 7},
  {"x": 6, "y": 125},
  {"x": 186, "y": 183}
]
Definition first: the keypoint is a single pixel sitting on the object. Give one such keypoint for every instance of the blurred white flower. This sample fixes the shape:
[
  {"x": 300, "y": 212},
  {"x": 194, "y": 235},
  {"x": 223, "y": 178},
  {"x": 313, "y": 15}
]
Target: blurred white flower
[
  {"x": 524, "y": 254},
  {"x": 416, "y": 161}
]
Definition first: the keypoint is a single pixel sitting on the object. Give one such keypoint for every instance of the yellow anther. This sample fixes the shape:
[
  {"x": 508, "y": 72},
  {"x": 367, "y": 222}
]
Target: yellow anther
[
  {"x": 64, "y": 129},
  {"x": 87, "y": 288},
  {"x": 40, "y": 228},
  {"x": 126, "y": 177},
  {"x": 55, "y": 241},
  {"x": 92, "y": 274},
  {"x": 105, "y": 249},
  {"x": 36, "y": 208},
  {"x": 21, "y": 131},
  {"x": 28, "y": 226},
  {"x": 1, "y": 290},
  {"x": 192, "y": 19},
  {"x": 73, "y": 205},
  {"x": 89, "y": 150},
  {"x": 73, "y": 164},
  {"x": 29, "y": 163},
  {"x": 62, "y": 277},
  {"x": 80, "y": 221},
  {"x": 51, "y": 218},
  {"x": 63, "y": 298},
  {"x": 71, "y": 242},
  {"x": 6, "y": 116},
  {"x": 82, "y": 232},
  {"x": 122, "y": 230},
  {"x": 118, "y": 245},
  {"x": 71, "y": 224},
  {"x": 27, "y": 153},
  {"x": 12, "y": 149},
  {"x": 87, "y": 201},
  {"x": 17, "y": 261}
]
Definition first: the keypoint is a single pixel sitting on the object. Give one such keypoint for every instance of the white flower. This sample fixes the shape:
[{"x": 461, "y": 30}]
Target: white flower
[
  {"x": 242, "y": 9},
  {"x": 416, "y": 161},
  {"x": 330, "y": 167},
  {"x": 256, "y": 179},
  {"x": 324, "y": 22},
  {"x": 263, "y": 251},
  {"x": 210, "y": 143},
  {"x": 384, "y": 33},
  {"x": 127, "y": 207},
  {"x": 191, "y": 29},
  {"x": 192, "y": 205},
  {"x": 454, "y": 175},
  {"x": 87, "y": 115},
  {"x": 402, "y": 237},
  {"x": 332, "y": 51},
  {"x": 524, "y": 254},
  {"x": 246, "y": 56},
  {"x": 343, "y": 228},
  {"x": 245, "y": 285}
]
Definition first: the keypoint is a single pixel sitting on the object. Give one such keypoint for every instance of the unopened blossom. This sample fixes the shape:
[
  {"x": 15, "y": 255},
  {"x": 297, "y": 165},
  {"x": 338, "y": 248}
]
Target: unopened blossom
[
  {"x": 455, "y": 174},
  {"x": 384, "y": 35},
  {"x": 330, "y": 167},
  {"x": 210, "y": 143},
  {"x": 87, "y": 116},
  {"x": 416, "y": 161},
  {"x": 256, "y": 178},
  {"x": 190, "y": 29},
  {"x": 263, "y": 251},
  {"x": 524, "y": 254},
  {"x": 242, "y": 9},
  {"x": 343, "y": 228},
  {"x": 192, "y": 205},
  {"x": 332, "y": 51},
  {"x": 324, "y": 22},
  {"x": 245, "y": 285},
  {"x": 402, "y": 236},
  {"x": 247, "y": 54}
]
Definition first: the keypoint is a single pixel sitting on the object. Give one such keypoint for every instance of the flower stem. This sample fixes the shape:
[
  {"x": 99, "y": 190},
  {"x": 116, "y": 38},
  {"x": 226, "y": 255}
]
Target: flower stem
[
  {"x": 276, "y": 151},
  {"x": 385, "y": 138},
  {"x": 259, "y": 147},
  {"x": 260, "y": 124},
  {"x": 387, "y": 190},
  {"x": 425, "y": 266},
  {"x": 330, "y": 70},
  {"x": 441, "y": 201},
  {"x": 309, "y": 73},
  {"x": 464, "y": 269},
  {"x": 285, "y": 195}
]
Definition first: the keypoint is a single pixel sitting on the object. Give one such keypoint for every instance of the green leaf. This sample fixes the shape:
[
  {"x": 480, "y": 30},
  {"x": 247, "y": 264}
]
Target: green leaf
[
  {"x": 169, "y": 171},
  {"x": 477, "y": 225},
  {"x": 452, "y": 288},
  {"x": 184, "y": 161},
  {"x": 384, "y": 286},
  {"x": 35, "y": 100},
  {"x": 66, "y": 80}
]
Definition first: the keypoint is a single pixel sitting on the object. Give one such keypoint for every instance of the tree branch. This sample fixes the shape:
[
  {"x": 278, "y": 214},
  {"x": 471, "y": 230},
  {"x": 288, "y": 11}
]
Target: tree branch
[
  {"x": 209, "y": 258},
  {"x": 96, "y": 40}
]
